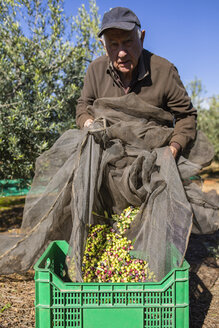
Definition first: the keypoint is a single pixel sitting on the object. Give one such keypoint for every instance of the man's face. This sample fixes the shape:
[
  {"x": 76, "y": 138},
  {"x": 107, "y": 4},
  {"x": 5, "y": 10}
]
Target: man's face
[{"x": 124, "y": 49}]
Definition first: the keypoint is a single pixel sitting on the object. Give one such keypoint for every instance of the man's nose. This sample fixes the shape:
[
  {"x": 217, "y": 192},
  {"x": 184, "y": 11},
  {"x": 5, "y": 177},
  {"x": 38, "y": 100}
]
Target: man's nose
[{"x": 122, "y": 52}]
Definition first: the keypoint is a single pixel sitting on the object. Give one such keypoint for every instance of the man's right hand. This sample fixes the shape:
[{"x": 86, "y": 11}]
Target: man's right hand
[
  {"x": 88, "y": 123},
  {"x": 175, "y": 148}
]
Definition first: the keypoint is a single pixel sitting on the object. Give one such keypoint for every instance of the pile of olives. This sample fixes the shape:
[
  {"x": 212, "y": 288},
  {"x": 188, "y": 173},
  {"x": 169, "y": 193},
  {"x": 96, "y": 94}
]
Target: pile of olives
[{"x": 107, "y": 256}]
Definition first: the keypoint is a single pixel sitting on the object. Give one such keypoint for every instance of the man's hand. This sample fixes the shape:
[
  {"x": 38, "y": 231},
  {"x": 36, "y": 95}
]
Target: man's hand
[
  {"x": 174, "y": 151},
  {"x": 175, "y": 148},
  {"x": 88, "y": 123}
]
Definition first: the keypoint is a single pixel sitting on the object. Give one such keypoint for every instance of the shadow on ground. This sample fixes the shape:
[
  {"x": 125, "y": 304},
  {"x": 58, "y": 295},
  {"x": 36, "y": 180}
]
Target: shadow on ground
[{"x": 202, "y": 255}]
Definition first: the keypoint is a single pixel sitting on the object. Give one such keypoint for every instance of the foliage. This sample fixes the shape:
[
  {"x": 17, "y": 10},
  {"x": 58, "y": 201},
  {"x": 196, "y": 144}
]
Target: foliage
[
  {"x": 196, "y": 89},
  {"x": 208, "y": 122},
  {"x": 41, "y": 74},
  {"x": 208, "y": 113}
]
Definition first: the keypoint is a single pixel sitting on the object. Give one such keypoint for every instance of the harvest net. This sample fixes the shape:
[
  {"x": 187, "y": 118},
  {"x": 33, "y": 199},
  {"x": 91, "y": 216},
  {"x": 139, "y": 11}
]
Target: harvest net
[{"x": 123, "y": 159}]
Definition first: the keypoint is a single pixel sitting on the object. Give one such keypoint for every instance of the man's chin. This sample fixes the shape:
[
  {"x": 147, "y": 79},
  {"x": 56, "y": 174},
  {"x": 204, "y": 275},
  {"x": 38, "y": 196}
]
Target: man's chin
[{"x": 125, "y": 70}]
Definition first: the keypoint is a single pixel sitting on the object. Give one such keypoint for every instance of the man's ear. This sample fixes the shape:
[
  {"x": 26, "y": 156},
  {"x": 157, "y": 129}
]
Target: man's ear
[
  {"x": 142, "y": 36},
  {"x": 103, "y": 44}
]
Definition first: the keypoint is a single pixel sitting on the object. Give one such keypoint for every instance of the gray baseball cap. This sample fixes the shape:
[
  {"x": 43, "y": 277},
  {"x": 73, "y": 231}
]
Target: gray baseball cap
[{"x": 121, "y": 18}]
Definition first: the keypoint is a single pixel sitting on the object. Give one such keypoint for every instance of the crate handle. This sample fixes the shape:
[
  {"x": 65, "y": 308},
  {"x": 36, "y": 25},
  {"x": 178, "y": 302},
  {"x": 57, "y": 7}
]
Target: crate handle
[{"x": 48, "y": 263}]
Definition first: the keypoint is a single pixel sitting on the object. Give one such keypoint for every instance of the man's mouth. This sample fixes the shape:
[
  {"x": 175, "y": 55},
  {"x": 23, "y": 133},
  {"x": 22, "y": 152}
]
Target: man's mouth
[{"x": 124, "y": 63}]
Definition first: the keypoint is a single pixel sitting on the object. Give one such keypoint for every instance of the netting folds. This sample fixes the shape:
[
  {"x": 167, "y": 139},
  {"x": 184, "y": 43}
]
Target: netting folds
[{"x": 121, "y": 160}]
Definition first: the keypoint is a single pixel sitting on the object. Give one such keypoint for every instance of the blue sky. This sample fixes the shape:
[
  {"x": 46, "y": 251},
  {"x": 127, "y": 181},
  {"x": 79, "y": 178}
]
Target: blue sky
[{"x": 184, "y": 32}]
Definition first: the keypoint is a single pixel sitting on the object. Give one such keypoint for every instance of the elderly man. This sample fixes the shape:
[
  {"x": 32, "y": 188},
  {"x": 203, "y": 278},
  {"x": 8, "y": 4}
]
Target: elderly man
[{"x": 127, "y": 67}]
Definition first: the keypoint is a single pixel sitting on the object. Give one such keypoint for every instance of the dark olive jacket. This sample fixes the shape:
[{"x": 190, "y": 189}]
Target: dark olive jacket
[{"x": 156, "y": 81}]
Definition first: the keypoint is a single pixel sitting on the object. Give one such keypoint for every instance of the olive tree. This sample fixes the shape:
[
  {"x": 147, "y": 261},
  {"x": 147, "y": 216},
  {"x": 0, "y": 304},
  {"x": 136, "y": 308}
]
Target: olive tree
[
  {"x": 208, "y": 113},
  {"x": 208, "y": 122},
  {"x": 44, "y": 55}
]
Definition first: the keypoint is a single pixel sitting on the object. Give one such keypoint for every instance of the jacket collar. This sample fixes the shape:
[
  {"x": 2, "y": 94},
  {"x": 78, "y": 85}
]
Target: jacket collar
[{"x": 143, "y": 71}]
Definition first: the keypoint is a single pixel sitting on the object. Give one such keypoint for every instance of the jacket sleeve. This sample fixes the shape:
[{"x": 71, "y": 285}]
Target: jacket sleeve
[
  {"x": 87, "y": 98},
  {"x": 179, "y": 103}
]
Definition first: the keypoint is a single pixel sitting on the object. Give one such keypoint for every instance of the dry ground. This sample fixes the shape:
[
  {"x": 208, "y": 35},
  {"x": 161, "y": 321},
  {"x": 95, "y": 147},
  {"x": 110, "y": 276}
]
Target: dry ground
[{"x": 17, "y": 290}]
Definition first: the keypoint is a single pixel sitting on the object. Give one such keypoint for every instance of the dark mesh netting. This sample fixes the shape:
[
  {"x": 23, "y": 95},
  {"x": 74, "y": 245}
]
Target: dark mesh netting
[{"x": 122, "y": 159}]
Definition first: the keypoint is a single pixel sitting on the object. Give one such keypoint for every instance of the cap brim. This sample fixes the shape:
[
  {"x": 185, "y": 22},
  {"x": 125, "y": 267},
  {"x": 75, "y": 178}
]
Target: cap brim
[{"x": 121, "y": 26}]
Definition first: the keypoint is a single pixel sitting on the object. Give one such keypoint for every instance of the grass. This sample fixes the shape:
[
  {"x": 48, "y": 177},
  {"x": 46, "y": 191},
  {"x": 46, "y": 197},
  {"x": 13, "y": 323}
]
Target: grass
[{"x": 7, "y": 203}]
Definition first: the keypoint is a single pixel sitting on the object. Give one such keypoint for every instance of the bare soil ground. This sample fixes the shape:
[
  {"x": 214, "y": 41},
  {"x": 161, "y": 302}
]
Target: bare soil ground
[{"x": 17, "y": 290}]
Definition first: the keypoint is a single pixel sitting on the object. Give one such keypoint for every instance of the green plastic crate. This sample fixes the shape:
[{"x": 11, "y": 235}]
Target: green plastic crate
[{"x": 60, "y": 304}]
